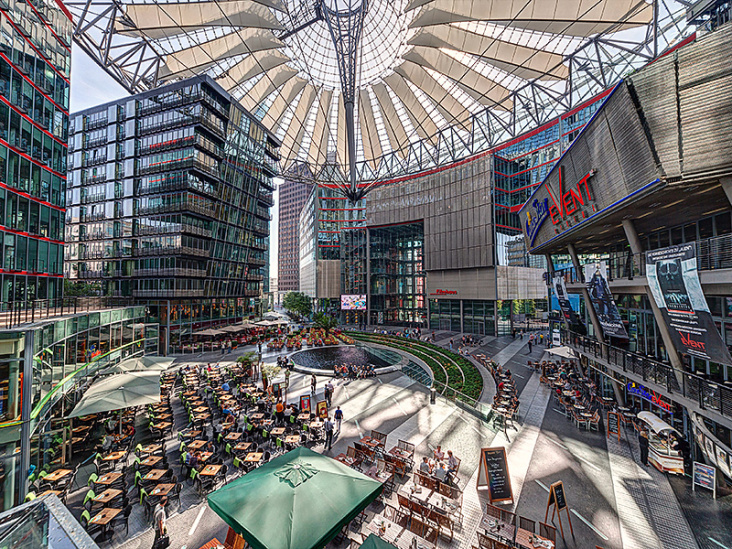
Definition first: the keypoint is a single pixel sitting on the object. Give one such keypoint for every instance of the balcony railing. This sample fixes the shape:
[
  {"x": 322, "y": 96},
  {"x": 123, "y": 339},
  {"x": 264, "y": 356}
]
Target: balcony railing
[
  {"x": 711, "y": 253},
  {"x": 708, "y": 394},
  {"x": 16, "y": 313}
]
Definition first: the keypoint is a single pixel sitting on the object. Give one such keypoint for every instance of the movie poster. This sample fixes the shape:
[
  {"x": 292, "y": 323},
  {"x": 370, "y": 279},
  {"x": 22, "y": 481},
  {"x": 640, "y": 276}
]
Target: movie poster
[
  {"x": 570, "y": 317},
  {"x": 674, "y": 282},
  {"x": 602, "y": 300}
]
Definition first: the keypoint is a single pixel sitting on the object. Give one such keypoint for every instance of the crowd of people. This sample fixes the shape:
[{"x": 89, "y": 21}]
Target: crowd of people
[{"x": 353, "y": 371}]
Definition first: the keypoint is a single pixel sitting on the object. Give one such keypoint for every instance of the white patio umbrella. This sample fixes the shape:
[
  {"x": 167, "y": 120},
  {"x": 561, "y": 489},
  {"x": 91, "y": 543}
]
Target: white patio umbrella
[
  {"x": 563, "y": 351},
  {"x": 232, "y": 328},
  {"x": 141, "y": 364},
  {"x": 208, "y": 332},
  {"x": 265, "y": 323},
  {"x": 118, "y": 392}
]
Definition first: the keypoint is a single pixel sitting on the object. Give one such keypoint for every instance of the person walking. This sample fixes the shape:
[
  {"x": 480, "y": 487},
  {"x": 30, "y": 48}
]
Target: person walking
[
  {"x": 338, "y": 415},
  {"x": 313, "y": 383},
  {"x": 329, "y": 388},
  {"x": 328, "y": 426},
  {"x": 159, "y": 519},
  {"x": 643, "y": 443},
  {"x": 531, "y": 342}
]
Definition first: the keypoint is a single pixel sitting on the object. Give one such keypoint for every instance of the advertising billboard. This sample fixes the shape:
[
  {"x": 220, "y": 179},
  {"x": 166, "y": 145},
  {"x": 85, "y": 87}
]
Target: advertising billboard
[
  {"x": 602, "y": 300},
  {"x": 568, "y": 313},
  {"x": 353, "y": 302},
  {"x": 674, "y": 282}
]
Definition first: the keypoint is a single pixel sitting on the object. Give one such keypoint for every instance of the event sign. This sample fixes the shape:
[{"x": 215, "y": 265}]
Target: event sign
[
  {"x": 560, "y": 290},
  {"x": 602, "y": 300},
  {"x": 650, "y": 395},
  {"x": 321, "y": 409},
  {"x": 704, "y": 476},
  {"x": 493, "y": 475},
  {"x": 722, "y": 461},
  {"x": 674, "y": 282}
]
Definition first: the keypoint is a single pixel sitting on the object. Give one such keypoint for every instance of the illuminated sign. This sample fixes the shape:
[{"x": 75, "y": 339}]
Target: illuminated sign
[
  {"x": 535, "y": 219},
  {"x": 573, "y": 203},
  {"x": 444, "y": 292},
  {"x": 649, "y": 395}
]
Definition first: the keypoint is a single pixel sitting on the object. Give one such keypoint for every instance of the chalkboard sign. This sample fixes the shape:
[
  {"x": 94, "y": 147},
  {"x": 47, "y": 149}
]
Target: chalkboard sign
[
  {"x": 556, "y": 496},
  {"x": 495, "y": 475},
  {"x": 613, "y": 424}
]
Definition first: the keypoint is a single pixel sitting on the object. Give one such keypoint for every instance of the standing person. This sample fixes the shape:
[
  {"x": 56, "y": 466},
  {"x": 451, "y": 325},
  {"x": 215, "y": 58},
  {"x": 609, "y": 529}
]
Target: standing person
[
  {"x": 329, "y": 391},
  {"x": 161, "y": 536},
  {"x": 313, "y": 383},
  {"x": 328, "y": 426},
  {"x": 451, "y": 344},
  {"x": 531, "y": 341},
  {"x": 643, "y": 442},
  {"x": 338, "y": 415}
]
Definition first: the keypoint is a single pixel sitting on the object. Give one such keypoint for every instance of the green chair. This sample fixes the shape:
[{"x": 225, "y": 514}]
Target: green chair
[
  {"x": 279, "y": 443},
  {"x": 30, "y": 496},
  {"x": 143, "y": 495},
  {"x": 89, "y": 495},
  {"x": 228, "y": 448},
  {"x": 92, "y": 479}
]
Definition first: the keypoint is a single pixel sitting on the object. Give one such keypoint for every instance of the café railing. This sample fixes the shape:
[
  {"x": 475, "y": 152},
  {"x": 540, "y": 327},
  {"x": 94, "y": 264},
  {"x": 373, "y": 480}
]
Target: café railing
[
  {"x": 708, "y": 394},
  {"x": 17, "y": 313}
]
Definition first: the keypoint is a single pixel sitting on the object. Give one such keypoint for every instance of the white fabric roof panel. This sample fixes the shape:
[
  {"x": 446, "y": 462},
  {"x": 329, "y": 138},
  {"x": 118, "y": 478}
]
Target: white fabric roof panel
[{"x": 446, "y": 61}]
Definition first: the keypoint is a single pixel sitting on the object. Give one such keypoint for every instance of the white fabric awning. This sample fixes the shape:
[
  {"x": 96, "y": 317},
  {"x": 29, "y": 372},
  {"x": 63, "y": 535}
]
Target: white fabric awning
[{"x": 656, "y": 424}]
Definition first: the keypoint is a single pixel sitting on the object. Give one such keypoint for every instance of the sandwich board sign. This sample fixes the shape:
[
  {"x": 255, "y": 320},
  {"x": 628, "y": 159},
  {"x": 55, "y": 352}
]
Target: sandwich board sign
[
  {"x": 559, "y": 501},
  {"x": 493, "y": 475}
]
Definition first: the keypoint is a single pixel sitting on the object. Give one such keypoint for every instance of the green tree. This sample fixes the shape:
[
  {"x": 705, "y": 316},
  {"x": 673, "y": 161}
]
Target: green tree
[
  {"x": 325, "y": 322},
  {"x": 81, "y": 289},
  {"x": 298, "y": 303}
]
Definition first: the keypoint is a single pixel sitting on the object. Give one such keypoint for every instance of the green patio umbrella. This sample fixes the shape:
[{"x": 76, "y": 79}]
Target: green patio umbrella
[
  {"x": 118, "y": 392},
  {"x": 140, "y": 364},
  {"x": 299, "y": 500},
  {"x": 375, "y": 542}
]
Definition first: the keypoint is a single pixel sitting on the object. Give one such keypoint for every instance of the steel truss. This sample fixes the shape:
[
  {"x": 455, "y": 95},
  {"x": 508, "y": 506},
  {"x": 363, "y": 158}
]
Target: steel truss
[{"x": 600, "y": 62}]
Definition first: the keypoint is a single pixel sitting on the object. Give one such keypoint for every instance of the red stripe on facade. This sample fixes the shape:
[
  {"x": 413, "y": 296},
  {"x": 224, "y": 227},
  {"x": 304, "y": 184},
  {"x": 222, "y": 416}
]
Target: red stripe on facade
[
  {"x": 27, "y": 234},
  {"x": 29, "y": 119},
  {"x": 27, "y": 157},
  {"x": 44, "y": 94},
  {"x": 31, "y": 197}
]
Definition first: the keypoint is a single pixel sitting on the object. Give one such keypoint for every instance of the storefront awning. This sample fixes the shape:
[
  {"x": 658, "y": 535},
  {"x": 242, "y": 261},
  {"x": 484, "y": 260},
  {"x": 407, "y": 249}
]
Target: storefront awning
[{"x": 656, "y": 424}]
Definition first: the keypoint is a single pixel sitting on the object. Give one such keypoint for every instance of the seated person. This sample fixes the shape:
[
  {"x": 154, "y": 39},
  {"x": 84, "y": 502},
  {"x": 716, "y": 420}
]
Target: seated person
[
  {"x": 452, "y": 462},
  {"x": 440, "y": 472},
  {"x": 424, "y": 467},
  {"x": 107, "y": 443},
  {"x": 287, "y": 413},
  {"x": 193, "y": 460},
  {"x": 439, "y": 454}
]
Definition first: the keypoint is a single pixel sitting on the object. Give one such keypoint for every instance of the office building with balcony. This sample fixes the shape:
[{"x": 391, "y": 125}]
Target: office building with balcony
[
  {"x": 293, "y": 193},
  {"x": 35, "y": 59},
  {"x": 646, "y": 197},
  {"x": 169, "y": 195}
]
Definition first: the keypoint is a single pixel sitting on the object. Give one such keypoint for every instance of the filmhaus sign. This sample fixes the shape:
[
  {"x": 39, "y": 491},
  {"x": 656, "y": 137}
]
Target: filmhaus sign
[{"x": 572, "y": 205}]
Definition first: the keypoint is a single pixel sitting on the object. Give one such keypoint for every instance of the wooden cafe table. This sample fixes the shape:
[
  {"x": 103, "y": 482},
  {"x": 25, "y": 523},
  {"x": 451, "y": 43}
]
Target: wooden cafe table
[
  {"x": 292, "y": 439},
  {"x": 254, "y": 457},
  {"x": 205, "y": 456},
  {"x": 233, "y": 436},
  {"x": 57, "y": 475},
  {"x": 196, "y": 444},
  {"x": 154, "y": 474},
  {"x": 162, "y": 489},
  {"x": 523, "y": 539},
  {"x": 114, "y": 456},
  {"x": 242, "y": 446},
  {"x": 104, "y": 516},
  {"x": 108, "y": 495},
  {"x": 151, "y": 448},
  {"x": 108, "y": 478},
  {"x": 303, "y": 417},
  {"x": 149, "y": 461},
  {"x": 277, "y": 431},
  {"x": 210, "y": 470}
]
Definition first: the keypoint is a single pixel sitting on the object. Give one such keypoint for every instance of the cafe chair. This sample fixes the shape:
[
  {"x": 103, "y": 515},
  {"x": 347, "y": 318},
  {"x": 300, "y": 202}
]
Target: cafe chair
[
  {"x": 527, "y": 524},
  {"x": 174, "y": 494},
  {"x": 123, "y": 519},
  {"x": 91, "y": 529},
  {"x": 549, "y": 532}
]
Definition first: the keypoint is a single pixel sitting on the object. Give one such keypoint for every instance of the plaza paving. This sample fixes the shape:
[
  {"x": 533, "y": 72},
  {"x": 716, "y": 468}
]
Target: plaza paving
[{"x": 614, "y": 502}]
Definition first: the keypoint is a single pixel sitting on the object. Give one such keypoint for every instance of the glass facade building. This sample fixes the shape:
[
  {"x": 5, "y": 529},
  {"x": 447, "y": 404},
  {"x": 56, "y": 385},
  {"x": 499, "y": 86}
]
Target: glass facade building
[
  {"x": 35, "y": 59},
  {"x": 42, "y": 366},
  {"x": 292, "y": 196},
  {"x": 169, "y": 196}
]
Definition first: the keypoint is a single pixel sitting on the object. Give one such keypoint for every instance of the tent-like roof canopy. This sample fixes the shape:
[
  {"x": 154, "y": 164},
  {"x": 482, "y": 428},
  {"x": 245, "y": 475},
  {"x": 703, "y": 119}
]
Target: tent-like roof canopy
[{"x": 422, "y": 65}]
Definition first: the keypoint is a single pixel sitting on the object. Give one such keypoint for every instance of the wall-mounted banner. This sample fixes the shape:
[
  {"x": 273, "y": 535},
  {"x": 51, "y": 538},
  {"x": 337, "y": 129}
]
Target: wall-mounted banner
[
  {"x": 674, "y": 281},
  {"x": 570, "y": 317},
  {"x": 602, "y": 300}
]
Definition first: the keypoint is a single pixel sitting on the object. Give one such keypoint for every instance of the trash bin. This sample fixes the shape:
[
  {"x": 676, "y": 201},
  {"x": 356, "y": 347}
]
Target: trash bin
[{"x": 433, "y": 395}]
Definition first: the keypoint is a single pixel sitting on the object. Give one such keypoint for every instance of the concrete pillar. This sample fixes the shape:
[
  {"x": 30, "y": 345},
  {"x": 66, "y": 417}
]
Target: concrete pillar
[
  {"x": 586, "y": 294},
  {"x": 727, "y": 187},
  {"x": 27, "y": 399},
  {"x": 462, "y": 318},
  {"x": 637, "y": 248}
]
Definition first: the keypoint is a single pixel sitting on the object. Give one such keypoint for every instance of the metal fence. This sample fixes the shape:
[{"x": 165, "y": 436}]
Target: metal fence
[
  {"x": 15, "y": 313},
  {"x": 709, "y": 395}
]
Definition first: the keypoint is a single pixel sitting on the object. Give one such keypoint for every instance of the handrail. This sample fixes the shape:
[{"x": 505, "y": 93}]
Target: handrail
[{"x": 706, "y": 393}]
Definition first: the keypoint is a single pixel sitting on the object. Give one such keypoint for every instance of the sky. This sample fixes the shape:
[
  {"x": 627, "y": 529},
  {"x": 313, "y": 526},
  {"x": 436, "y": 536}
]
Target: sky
[{"x": 91, "y": 86}]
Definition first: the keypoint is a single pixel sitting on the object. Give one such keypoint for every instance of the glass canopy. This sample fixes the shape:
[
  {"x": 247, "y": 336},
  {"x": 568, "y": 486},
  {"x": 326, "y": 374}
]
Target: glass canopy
[{"x": 435, "y": 80}]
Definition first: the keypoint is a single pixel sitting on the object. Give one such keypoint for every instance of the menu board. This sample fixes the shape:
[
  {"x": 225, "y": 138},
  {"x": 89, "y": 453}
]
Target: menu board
[
  {"x": 704, "y": 476},
  {"x": 556, "y": 496},
  {"x": 494, "y": 476},
  {"x": 304, "y": 403},
  {"x": 613, "y": 424}
]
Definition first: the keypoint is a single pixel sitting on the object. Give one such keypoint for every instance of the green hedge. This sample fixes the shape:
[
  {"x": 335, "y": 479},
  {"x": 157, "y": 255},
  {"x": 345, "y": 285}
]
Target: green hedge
[{"x": 463, "y": 375}]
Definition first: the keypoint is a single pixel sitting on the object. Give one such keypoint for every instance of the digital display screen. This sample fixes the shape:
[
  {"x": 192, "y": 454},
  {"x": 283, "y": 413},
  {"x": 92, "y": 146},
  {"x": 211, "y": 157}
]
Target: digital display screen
[{"x": 353, "y": 302}]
